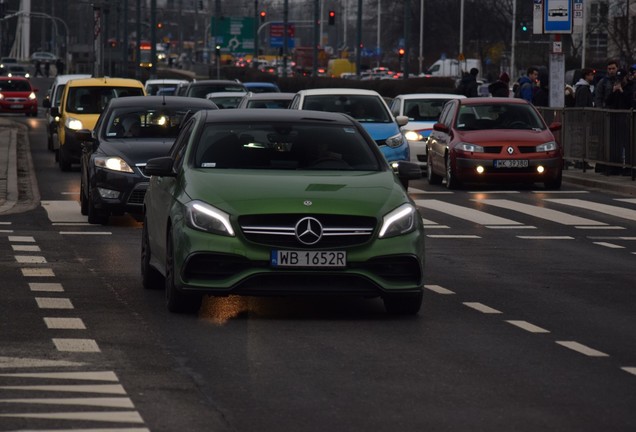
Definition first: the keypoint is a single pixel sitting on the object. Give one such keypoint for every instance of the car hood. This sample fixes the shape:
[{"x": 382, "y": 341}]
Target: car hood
[
  {"x": 135, "y": 151},
  {"x": 20, "y": 94},
  {"x": 250, "y": 191},
  {"x": 504, "y": 136},
  {"x": 381, "y": 131}
]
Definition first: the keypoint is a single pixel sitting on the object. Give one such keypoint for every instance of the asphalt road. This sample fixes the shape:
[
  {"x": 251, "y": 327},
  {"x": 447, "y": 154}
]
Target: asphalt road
[{"x": 527, "y": 324}]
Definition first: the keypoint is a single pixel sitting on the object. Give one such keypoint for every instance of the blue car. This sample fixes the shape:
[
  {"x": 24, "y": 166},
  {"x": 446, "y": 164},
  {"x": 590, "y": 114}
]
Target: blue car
[
  {"x": 261, "y": 87},
  {"x": 368, "y": 108}
]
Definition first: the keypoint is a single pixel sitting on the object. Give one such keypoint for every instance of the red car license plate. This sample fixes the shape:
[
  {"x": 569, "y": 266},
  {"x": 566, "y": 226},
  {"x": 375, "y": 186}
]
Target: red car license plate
[{"x": 511, "y": 163}]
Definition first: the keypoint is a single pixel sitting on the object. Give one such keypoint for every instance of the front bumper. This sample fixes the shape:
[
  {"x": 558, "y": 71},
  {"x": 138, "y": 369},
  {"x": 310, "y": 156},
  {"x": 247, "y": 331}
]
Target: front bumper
[
  {"x": 118, "y": 193},
  {"x": 466, "y": 170}
]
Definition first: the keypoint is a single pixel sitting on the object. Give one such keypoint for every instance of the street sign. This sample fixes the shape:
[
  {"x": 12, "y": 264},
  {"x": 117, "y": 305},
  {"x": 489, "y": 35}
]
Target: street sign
[
  {"x": 537, "y": 17},
  {"x": 578, "y": 15},
  {"x": 277, "y": 35},
  {"x": 558, "y": 16},
  {"x": 233, "y": 34}
]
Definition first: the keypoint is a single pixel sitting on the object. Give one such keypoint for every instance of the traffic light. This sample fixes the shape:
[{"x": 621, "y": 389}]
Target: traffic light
[
  {"x": 263, "y": 14},
  {"x": 401, "y": 53},
  {"x": 218, "y": 51},
  {"x": 159, "y": 25},
  {"x": 332, "y": 17},
  {"x": 524, "y": 26}
]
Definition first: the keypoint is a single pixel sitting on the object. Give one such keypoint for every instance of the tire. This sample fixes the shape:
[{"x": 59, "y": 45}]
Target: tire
[
  {"x": 95, "y": 215},
  {"x": 49, "y": 142},
  {"x": 150, "y": 276},
  {"x": 176, "y": 301},
  {"x": 403, "y": 304},
  {"x": 554, "y": 184},
  {"x": 451, "y": 179},
  {"x": 63, "y": 159},
  {"x": 433, "y": 179}
]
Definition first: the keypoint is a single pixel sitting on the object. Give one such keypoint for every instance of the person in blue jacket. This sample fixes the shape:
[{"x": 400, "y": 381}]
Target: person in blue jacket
[{"x": 526, "y": 84}]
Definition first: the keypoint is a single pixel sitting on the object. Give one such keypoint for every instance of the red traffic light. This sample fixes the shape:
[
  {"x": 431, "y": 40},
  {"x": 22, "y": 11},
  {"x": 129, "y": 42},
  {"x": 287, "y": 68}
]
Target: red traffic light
[
  {"x": 263, "y": 14},
  {"x": 401, "y": 52},
  {"x": 332, "y": 17}
]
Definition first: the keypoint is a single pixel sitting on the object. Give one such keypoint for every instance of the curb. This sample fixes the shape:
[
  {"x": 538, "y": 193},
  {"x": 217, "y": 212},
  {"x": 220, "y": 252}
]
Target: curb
[{"x": 12, "y": 173}]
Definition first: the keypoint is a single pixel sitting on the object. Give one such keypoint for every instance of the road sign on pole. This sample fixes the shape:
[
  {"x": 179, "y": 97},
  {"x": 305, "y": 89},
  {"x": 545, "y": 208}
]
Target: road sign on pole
[
  {"x": 233, "y": 34},
  {"x": 558, "y": 16},
  {"x": 537, "y": 17}
]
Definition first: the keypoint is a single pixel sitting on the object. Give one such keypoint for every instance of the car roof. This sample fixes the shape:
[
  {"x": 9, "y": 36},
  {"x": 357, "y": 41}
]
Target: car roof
[
  {"x": 338, "y": 91},
  {"x": 205, "y": 82},
  {"x": 166, "y": 81},
  {"x": 105, "y": 82},
  {"x": 260, "y": 84},
  {"x": 226, "y": 94},
  {"x": 430, "y": 96},
  {"x": 494, "y": 101},
  {"x": 136, "y": 101},
  {"x": 273, "y": 115},
  {"x": 270, "y": 96},
  {"x": 63, "y": 79}
]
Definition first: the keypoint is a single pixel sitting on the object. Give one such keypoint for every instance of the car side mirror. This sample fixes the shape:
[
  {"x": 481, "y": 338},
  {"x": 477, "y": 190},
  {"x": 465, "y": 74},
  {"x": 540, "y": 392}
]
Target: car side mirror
[
  {"x": 555, "y": 126},
  {"x": 440, "y": 127},
  {"x": 84, "y": 135},
  {"x": 161, "y": 166},
  {"x": 402, "y": 120}
]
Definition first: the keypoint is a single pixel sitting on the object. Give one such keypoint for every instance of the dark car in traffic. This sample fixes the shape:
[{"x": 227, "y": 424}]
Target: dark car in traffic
[{"x": 130, "y": 131}]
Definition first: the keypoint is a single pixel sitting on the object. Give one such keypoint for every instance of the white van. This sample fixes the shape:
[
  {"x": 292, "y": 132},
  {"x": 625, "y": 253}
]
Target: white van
[
  {"x": 452, "y": 68},
  {"x": 52, "y": 99}
]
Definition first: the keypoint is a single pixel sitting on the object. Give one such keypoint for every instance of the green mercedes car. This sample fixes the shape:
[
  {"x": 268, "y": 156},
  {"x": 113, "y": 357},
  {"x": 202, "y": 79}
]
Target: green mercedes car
[{"x": 280, "y": 202}]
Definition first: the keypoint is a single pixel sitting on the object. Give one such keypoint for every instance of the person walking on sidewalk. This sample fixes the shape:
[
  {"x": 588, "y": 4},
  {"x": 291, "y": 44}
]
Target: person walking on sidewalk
[
  {"x": 526, "y": 84},
  {"x": 605, "y": 86},
  {"x": 501, "y": 87}
]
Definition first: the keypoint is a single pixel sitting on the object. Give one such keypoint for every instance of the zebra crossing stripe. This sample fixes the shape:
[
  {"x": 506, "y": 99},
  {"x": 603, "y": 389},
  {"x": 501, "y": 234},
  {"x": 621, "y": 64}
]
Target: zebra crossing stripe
[
  {"x": 89, "y": 388},
  {"x": 466, "y": 213},
  {"x": 611, "y": 210},
  {"x": 104, "y": 416},
  {"x": 93, "y": 376},
  {"x": 541, "y": 212},
  {"x": 117, "y": 402}
]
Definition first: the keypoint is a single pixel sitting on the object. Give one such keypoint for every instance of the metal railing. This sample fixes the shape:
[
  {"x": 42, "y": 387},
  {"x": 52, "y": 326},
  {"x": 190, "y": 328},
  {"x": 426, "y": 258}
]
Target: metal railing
[{"x": 606, "y": 138}]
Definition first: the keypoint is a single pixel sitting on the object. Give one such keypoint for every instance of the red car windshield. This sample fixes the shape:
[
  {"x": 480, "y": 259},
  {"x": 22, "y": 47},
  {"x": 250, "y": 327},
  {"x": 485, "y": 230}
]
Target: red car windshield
[
  {"x": 15, "y": 86},
  {"x": 498, "y": 116}
]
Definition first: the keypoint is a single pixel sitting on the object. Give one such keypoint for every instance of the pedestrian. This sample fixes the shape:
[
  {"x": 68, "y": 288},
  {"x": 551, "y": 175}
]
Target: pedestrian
[
  {"x": 569, "y": 96},
  {"x": 540, "y": 93},
  {"x": 47, "y": 69},
  {"x": 59, "y": 66},
  {"x": 525, "y": 89},
  {"x": 38, "y": 71},
  {"x": 583, "y": 96},
  {"x": 468, "y": 85},
  {"x": 501, "y": 87},
  {"x": 605, "y": 86},
  {"x": 622, "y": 95}
]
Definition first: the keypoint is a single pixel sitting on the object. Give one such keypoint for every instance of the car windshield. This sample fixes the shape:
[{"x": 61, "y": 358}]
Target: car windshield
[
  {"x": 364, "y": 108},
  {"x": 201, "y": 91},
  {"x": 423, "y": 109},
  {"x": 135, "y": 123},
  {"x": 93, "y": 100},
  {"x": 226, "y": 101},
  {"x": 281, "y": 146},
  {"x": 16, "y": 86},
  {"x": 498, "y": 116},
  {"x": 276, "y": 104}
]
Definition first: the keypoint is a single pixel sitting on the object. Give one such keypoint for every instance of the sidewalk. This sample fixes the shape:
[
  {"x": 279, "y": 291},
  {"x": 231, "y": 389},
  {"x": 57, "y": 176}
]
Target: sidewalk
[{"x": 10, "y": 191}]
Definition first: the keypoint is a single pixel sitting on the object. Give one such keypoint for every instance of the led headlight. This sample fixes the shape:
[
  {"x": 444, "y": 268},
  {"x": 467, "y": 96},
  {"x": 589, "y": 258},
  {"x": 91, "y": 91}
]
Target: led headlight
[
  {"x": 398, "y": 221},
  {"x": 395, "y": 140},
  {"x": 468, "y": 147},
  {"x": 413, "y": 136},
  {"x": 546, "y": 147},
  {"x": 73, "y": 123},
  {"x": 32, "y": 96},
  {"x": 204, "y": 217},
  {"x": 112, "y": 163}
]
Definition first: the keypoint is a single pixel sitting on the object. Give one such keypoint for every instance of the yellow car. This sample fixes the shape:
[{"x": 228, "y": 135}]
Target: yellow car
[{"x": 82, "y": 102}]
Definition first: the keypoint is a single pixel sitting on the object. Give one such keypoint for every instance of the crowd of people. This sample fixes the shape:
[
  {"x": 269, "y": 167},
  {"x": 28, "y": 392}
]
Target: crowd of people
[{"x": 616, "y": 90}]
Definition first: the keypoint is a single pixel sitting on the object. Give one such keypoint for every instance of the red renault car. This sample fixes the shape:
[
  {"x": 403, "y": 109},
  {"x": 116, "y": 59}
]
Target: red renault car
[
  {"x": 17, "y": 96},
  {"x": 488, "y": 140}
]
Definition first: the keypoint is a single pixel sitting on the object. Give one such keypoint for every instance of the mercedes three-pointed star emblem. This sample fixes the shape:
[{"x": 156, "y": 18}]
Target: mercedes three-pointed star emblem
[{"x": 308, "y": 231}]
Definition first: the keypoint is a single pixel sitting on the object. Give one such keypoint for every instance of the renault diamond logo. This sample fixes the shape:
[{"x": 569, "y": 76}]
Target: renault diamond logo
[
  {"x": 308, "y": 231},
  {"x": 510, "y": 150}
]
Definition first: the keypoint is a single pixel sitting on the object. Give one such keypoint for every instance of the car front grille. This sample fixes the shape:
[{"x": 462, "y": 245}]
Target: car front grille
[
  {"x": 15, "y": 99},
  {"x": 137, "y": 194},
  {"x": 278, "y": 230},
  {"x": 492, "y": 149}
]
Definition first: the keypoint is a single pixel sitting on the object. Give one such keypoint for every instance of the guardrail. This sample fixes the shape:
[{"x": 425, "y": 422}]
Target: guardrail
[{"x": 606, "y": 138}]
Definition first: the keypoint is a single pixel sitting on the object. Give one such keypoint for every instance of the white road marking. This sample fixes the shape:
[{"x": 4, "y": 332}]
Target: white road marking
[
  {"x": 482, "y": 308},
  {"x": 37, "y": 272},
  {"x": 438, "y": 289},
  {"x": 541, "y": 212},
  {"x": 116, "y": 402},
  {"x": 54, "y": 303},
  {"x": 493, "y": 192},
  {"x": 75, "y": 388},
  {"x": 76, "y": 345},
  {"x": 104, "y": 416},
  {"x": 629, "y": 369},
  {"x": 436, "y": 226},
  {"x": 561, "y": 192},
  {"x": 610, "y": 238},
  {"x": 525, "y": 325},
  {"x": 420, "y": 191},
  {"x": 449, "y": 236},
  {"x": 5, "y": 223},
  {"x": 608, "y": 227},
  {"x": 71, "y": 224},
  {"x": 512, "y": 227},
  {"x": 19, "y": 362},
  {"x": 70, "y": 193},
  {"x": 25, "y": 248},
  {"x": 63, "y": 211},
  {"x": 30, "y": 259},
  {"x": 546, "y": 237},
  {"x": 64, "y": 323},
  {"x": 609, "y": 245},
  {"x": 465, "y": 213},
  {"x": 91, "y": 375},
  {"x": 617, "y": 211},
  {"x": 627, "y": 200},
  {"x": 580, "y": 348},
  {"x": 21, "y": 239},
  {"x": 6, "y": 231},
  {"x": 46, "y": 287}
]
